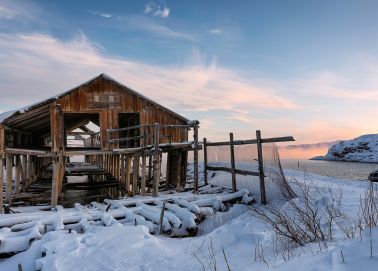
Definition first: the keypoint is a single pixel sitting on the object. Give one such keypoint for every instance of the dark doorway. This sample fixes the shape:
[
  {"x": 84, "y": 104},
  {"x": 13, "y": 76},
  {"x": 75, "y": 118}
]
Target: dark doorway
[{"x": 127, "y": 120}]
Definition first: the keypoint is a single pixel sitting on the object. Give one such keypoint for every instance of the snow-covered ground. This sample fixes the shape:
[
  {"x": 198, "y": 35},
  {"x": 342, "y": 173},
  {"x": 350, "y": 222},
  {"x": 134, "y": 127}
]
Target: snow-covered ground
[
  {"x": 236, "y": 238},
  {"x": 360, "y": 149}
]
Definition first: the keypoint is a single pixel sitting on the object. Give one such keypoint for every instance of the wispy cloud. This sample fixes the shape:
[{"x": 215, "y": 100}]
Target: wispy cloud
[
  {"x": 149, "y": 25},
  {"x": 11, "y": 10},
  {"x": 101, "y": 14},
  {"x": 38, "y": 61},
  {"x": 156, "y": 10},
  {"x": 216, "y": 31},
  {"x": 6, "y": 13}
]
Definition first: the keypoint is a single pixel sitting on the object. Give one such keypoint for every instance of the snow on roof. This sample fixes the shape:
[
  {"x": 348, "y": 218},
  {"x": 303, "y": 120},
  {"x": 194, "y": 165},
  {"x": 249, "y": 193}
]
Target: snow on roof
[{"x": 8, "y": 114}]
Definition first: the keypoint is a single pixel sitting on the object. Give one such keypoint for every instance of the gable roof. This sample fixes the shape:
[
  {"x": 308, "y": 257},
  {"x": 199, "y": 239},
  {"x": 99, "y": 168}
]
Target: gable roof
[{"x": 8, "y": 114}]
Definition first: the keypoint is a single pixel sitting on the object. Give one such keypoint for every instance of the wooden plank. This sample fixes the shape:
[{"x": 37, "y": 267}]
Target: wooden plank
[
  {"x": 143, "y": 182},
  {"x": 205, "y": 159},
  {"x": 195, "y": 156},
  {"x": 122, "y": 169},
  {"x": 18, "y": 175},
  {"x": 56, "y": 180},
  {"x": 155, "y": 186},
  {"x": 25, "y": 151},
  {"x": 29, "y": 172},
  {"x": 23, "y": 171},
  {"x": 237, "y": 171},
  {"x": 135, "y": 175},
  {"x": 233, "y": 168},
  {"x": 9, "y": 171},
  {"x": 128, "y": 171},
  {"x": 252, "y": 141},
  {"x": 261, "y": 167}
]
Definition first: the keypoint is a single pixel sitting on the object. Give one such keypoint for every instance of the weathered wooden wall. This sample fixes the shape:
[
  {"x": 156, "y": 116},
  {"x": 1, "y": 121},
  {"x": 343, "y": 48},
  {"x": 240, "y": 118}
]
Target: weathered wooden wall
[{"x": 109, "y": 99}]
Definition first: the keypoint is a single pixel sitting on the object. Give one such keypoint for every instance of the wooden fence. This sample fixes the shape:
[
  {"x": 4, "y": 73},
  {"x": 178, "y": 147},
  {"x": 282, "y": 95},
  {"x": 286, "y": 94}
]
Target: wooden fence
[{"x": 233, "y": 170}]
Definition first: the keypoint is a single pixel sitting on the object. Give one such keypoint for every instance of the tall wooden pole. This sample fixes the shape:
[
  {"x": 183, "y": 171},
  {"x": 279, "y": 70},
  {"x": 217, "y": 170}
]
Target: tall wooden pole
[
  {"x": 155, "y": 186},
  {"x": 195, "y": 156},
  {"x": 233, "y": 169},
  {"x": 261, "y": 167},
  {"x": 205, "y": 159}
]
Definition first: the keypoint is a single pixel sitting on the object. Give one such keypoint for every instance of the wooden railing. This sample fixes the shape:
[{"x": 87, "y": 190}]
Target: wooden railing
[{"x": 150, "y": 136}]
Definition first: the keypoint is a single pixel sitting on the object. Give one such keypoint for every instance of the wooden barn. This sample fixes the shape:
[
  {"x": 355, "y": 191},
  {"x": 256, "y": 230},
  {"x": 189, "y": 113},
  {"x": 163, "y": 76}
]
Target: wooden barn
[{"x": 121, "y": 134}]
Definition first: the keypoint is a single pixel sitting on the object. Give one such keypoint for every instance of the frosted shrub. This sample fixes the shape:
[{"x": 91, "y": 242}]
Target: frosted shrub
[{"x": 306, "y": 218}]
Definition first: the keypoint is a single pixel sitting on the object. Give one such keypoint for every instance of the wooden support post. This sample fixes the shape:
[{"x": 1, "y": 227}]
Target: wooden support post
[
  {"x": 135, "y": 175},
  {"x": 205, "y": 159},
  {"x": 128, "y": 171},
  {"x": 62, "y": 170},
  {"x": 54, "y": 187},
  {"x": 9, "y": 170},
  {"x": 18, "y": 175},
  {"x": 1, "y": 183},
  {"x": 29, "y": 171},
  {"x": 122, "y": 169},
  {"x": 155, "y": 186},
  {"x": 143, "y": 182},
  {"x": 261, "y": 167},
  {"x": 195, "y": 156},
  {"x": 233, "y": 168},
  {"x": 23, "y": 172},
  {"x": 58, "y": 166}
]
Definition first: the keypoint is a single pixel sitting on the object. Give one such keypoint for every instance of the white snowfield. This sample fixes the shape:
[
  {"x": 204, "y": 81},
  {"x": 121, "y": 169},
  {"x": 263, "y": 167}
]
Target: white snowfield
[
  {"x": 247, "y": 242},
  {"x": 360, "y": 149}
]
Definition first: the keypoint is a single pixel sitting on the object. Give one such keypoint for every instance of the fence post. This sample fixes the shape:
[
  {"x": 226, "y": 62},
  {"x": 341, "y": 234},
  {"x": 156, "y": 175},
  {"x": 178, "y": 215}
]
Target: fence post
[
  {"x": 205, "y": 159},
  {"x": 233, "y": 174},
  {"x": 195, "y": 157},
  {"x": 155, "y": 187},
  {"x": 261, "y": 167}
]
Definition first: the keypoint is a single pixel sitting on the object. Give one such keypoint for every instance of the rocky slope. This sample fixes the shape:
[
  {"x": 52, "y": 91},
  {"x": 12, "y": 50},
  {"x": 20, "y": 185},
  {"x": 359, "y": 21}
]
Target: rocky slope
[{"x": 360, "y": 149}]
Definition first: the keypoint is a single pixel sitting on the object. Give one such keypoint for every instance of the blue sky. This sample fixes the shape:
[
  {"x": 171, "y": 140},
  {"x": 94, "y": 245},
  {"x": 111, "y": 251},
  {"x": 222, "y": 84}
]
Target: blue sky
[{"x": 301, "y": 68}]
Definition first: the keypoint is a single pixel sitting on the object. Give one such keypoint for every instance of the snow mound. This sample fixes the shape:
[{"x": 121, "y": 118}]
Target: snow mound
[{"x": 360, "y": 149}]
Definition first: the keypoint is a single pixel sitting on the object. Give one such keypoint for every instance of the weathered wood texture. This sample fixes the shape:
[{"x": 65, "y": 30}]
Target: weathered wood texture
[{"x": 125, "y": 102}]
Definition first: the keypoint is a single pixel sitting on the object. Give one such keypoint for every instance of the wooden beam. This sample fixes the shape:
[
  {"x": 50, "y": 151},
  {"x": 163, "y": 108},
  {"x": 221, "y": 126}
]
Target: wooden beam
[
  {"x": 205, "y": 160},
  {"x": 9, "y": 170},
  {"x": 155, "y": 186},
  {"x": 25, "y": 151},
  {"x": 128, "y": 171},
  {"x": 261, "y": 167},
  {"x": 17, "y": 187},
  {"x": 233, "y": 168},
  {"x": 252, "y": 141},
  {"x": 29, "y": 172},
  {"x": 195, "y": 156},
  {"x": 24, "y": 171},
  {"x": 135, "y": 175},
  {"x": 237, "y": 171},
  {"x": 143, "y": 182}
]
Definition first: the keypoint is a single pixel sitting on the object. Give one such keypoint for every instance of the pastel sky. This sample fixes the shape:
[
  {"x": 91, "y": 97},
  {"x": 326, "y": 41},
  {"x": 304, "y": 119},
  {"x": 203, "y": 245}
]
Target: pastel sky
[{"x": 302, "y": 68}]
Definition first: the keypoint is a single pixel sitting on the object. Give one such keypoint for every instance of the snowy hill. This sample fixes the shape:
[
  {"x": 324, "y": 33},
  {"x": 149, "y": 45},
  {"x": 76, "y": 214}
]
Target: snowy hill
[{"x": 360, "y": 149}]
